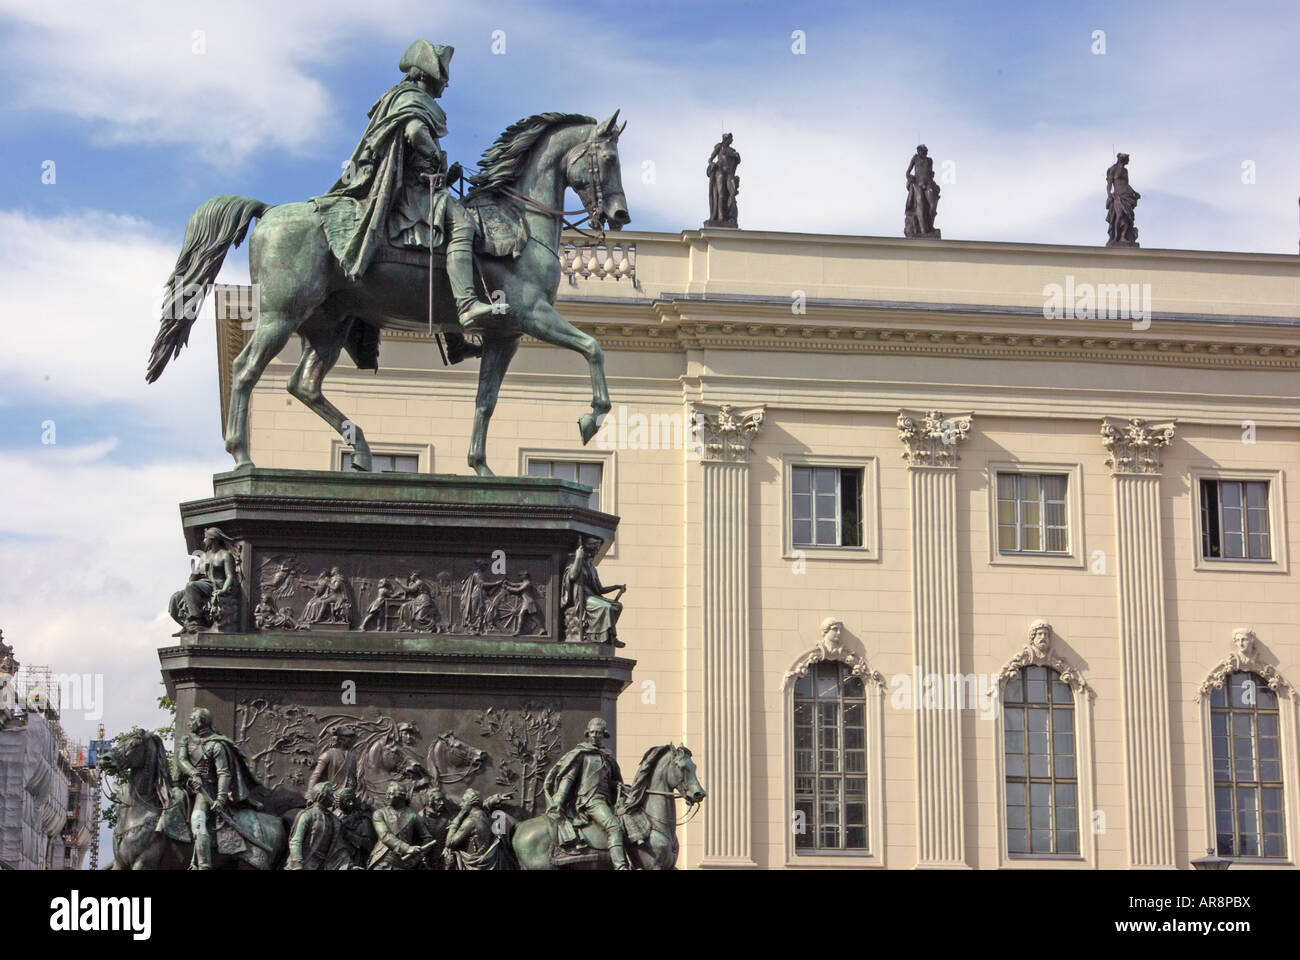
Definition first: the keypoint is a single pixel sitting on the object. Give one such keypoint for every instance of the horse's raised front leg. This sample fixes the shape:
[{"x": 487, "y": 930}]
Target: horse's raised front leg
[
  {"x": 545, "y": 323},
  {"x": 324, "y": 343},
  {"x": 273, "y": 331},
  {"x": 497, "y": 355}
]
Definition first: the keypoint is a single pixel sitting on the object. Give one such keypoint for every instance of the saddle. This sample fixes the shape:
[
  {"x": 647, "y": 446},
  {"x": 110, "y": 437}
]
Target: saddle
[
  {"x": 573, "y": 845},
  {"x": 499, "y": 228}
]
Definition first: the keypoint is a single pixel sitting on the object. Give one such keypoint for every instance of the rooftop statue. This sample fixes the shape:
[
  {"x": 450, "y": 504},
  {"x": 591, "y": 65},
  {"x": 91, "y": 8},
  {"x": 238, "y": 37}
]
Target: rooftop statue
[
  {"x": 922, "y": 197},
  {"x": 389, "y": 247},
  {"x": 1121, "y": 205},
  {"x": 724, "y": 184}
]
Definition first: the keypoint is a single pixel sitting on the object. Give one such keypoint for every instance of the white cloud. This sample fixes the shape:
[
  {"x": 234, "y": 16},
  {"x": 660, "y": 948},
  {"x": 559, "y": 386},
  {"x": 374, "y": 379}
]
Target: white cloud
[
  {"x": 85, "y": 292},
  {"x": 90, "y": 559}
]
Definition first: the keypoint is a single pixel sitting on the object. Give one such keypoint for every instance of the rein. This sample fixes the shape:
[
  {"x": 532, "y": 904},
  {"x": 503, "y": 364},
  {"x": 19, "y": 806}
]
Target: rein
[{"x": 693, "y": 809}]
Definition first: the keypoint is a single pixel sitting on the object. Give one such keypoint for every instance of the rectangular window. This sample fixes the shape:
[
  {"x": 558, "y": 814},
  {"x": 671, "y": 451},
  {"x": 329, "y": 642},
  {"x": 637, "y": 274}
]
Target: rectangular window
[
  {"x": 826, "y": 506},
  {"x": 1234, "y": 520},
  {"x": 587, "y": 474},
  {"x": 385, "y": 463},
  {"x": 1032, "y": 515}
]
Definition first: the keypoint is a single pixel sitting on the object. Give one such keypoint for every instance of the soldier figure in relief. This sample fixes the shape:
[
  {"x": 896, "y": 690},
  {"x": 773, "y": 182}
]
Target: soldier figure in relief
[
  {"x": 315, "y": 831},
  {"x": 215, "y": 774},
  {"x": 583, "y": 788},
  {"x": 403, "y": 837}
]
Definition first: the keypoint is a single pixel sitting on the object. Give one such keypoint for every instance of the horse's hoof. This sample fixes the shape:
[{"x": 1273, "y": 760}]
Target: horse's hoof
[{"x": 588, "y": 424}]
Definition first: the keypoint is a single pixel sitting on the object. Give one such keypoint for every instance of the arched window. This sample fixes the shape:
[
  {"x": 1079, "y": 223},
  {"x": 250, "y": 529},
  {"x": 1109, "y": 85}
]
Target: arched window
[
  {"x": 1042, "y": 777},
  {"x": 830, "y": 758},
  {"x": 1245, "y": 734}
]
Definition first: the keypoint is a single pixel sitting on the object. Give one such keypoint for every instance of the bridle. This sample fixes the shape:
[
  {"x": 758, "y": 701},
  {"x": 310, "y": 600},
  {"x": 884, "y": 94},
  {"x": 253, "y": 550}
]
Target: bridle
[
  {"x": 592, "y": 195},
  {"x": 693, "y": 808}
]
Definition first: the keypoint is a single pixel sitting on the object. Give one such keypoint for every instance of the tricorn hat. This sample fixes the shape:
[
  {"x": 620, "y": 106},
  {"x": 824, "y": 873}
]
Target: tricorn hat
[{"x": 434, "y": 61}]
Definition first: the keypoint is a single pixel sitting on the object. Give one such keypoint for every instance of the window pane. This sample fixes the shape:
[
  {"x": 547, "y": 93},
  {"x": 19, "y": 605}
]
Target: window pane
[
  {"x": 539, "y": 468},
  {"x": 851, "y": 508},
  {"x": 406, "y": 463}
]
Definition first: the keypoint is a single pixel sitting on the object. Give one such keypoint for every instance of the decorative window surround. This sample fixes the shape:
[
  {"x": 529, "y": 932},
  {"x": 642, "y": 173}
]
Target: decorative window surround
[
  {"x": 1074, "y": 519},
  {"x": 870, "y": 549},
  {"x": 830, "y": 647},
  {"x": 1244, "y": 657},
  {"x": 424, "y": 451},
  {"x": 1039, "y": 651},
  {"x": 1278, "y": 534}
]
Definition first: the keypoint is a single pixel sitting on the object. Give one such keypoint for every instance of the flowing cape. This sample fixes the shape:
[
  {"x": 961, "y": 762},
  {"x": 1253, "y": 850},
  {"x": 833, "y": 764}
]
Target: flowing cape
[{"x": 354, "y": 211}]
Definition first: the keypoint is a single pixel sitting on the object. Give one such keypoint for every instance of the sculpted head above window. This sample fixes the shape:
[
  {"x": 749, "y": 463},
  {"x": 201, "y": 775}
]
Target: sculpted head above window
[
  {"x": 1040, "y": 637},
  {"x": 1244, "y": 642},
  {"x": 831, "y": 629}
]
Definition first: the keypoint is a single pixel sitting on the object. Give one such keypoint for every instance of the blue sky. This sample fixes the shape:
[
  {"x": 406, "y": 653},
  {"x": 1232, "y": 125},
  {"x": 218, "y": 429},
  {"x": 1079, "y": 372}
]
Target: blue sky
[{"x": 142, "y": 128}]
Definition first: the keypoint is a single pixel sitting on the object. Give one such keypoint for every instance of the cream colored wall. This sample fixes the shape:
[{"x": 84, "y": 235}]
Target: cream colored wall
[{"x": 840, "y": 397}]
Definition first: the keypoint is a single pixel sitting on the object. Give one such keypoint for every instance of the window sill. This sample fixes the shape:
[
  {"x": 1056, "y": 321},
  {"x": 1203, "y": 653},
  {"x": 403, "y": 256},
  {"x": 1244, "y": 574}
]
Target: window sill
[
  {"x": 847, "y": 860},
  {"x": 829, "y": 553},
  {"x": 1236, "y": 565},
  {"x": 1045, "y": 861},
  {"x": 1073, "y": 560}
]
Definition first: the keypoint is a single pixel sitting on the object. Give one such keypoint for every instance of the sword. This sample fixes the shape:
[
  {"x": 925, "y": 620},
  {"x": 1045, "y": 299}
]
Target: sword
[
  {"x": 435, "y": 182},
  {"x": 229, "y": 821}
]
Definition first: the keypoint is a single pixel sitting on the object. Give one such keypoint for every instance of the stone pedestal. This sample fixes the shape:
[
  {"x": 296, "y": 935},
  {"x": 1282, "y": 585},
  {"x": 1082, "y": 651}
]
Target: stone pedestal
[{"x": 423, "y": 611}]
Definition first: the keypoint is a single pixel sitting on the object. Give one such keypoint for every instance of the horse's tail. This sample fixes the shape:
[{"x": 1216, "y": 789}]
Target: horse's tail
[{"x": 214, "y": 227}]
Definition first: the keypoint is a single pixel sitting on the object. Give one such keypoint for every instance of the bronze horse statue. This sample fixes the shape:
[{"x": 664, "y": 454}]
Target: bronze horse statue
[
  {"x": 153, "y": 831},
  {"x": 301, "y": 288},
  {"x": 665, "y": 773}
]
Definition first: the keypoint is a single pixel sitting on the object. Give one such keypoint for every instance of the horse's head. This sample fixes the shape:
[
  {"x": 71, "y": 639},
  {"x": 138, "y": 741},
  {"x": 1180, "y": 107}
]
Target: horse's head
[
  {"x": 681, "y": 778},
  {"x": 592, "y": 169},
  {"x": 128, "y": 752},
  {"x": 454, "y": 757}
]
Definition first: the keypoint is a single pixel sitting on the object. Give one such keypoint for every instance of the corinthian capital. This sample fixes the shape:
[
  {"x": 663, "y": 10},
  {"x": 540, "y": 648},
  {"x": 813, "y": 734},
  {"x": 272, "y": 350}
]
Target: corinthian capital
[
  {"x": 1134, "y": 444},
  {"x": 930, "y": 439},
  {"x": 726, "y": 434}
]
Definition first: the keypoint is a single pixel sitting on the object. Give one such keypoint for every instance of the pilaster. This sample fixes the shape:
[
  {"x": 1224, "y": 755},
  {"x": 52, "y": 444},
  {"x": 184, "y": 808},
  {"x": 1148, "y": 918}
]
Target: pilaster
[{"x": 1135, "y": 447}]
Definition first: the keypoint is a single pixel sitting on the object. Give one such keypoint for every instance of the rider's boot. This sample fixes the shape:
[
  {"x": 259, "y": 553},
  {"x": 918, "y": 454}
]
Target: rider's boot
[
  {"x": 458, "y": 348},
  {"x": 460, "y": 275},
  {"x": 202, "y": 855},
  {"x": 618, "y": 856}
]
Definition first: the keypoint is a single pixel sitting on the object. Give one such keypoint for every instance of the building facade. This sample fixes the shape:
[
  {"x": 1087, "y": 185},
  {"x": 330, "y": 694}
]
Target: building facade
[{"x": 940, "y": 553}]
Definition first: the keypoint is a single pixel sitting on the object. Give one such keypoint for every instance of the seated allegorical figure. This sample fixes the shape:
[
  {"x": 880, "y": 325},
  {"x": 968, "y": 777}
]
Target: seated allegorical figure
[{"x": 583, "y": 594}]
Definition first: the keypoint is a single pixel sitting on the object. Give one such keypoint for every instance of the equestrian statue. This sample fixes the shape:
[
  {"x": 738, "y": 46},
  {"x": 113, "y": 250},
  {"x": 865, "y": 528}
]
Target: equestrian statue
[{"x": 391, "y": 247}]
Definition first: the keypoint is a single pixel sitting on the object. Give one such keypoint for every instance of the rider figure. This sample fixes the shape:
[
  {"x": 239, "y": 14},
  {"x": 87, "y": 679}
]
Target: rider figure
[
  {"x": 583, "y": 787},
  {"x": 391, "y": 173},
  {"x": 217, "y": 778}
]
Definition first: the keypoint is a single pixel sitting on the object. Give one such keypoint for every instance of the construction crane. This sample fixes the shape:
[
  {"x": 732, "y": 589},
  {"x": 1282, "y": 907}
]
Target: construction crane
[{"x": 97, "y": 749}]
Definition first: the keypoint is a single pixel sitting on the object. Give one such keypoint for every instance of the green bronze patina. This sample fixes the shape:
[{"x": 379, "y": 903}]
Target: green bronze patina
[{"x": 338, "y": 269}]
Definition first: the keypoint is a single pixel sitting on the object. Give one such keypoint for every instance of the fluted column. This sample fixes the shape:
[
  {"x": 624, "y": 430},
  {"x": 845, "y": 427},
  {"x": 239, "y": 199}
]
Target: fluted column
[
  {"x": 930, "y": 443},
  {"x": 722, "y": 446},
  {"x": 1135, "y": 447}
]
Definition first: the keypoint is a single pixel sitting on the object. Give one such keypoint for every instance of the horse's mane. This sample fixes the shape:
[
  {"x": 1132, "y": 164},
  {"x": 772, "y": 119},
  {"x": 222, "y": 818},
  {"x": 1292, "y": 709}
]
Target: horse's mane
[
  {"x": 635, "y": 797},
  {"x": 502, "y": 163}
]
